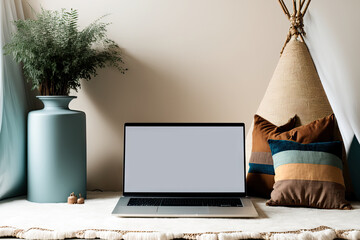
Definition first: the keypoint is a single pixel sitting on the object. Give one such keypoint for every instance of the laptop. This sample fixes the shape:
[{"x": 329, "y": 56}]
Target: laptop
[{"x": 184, "y": 170}]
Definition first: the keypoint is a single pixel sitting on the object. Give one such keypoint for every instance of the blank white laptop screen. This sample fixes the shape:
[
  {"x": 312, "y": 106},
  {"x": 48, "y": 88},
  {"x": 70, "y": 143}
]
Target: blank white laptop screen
[{"x": 184, "y": 159}]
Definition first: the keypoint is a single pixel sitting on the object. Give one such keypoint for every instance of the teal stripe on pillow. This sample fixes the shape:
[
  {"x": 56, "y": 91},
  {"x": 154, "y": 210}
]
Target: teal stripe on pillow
[
  {"x": 312, "y": 157},
  {"x": 261, "y": 168},
  {"x": 334, "y": 147}
]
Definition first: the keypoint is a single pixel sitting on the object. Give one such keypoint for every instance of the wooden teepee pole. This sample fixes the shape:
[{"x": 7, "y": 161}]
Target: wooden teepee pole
[
  {"x": 302, "y": 3},
  {"x": 306, "y": 7},
  {"x": 296, "y": 20},
  {"x": 286, "y": 11}
]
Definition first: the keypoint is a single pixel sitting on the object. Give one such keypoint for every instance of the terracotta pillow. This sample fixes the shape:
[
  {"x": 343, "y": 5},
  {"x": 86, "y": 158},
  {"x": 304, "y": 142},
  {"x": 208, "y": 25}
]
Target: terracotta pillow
[
  {"x": 260, "y": 178},
  {"x": 308, "y": 175}
]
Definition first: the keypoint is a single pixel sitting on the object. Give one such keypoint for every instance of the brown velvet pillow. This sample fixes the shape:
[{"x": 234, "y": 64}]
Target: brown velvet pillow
[{"x": 260, "y": 178}]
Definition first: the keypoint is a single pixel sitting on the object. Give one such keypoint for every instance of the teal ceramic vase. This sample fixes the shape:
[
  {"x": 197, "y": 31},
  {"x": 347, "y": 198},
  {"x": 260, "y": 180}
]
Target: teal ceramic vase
[{"x": 56, "y": 151}]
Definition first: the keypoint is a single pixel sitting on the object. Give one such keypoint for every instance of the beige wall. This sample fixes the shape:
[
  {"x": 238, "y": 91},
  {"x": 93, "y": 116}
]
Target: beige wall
[{"x": 188, "y": 60}]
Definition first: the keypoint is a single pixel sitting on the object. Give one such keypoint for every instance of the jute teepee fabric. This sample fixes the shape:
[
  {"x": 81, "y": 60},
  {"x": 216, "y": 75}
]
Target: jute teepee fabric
[{"x": 295, "y": 87}]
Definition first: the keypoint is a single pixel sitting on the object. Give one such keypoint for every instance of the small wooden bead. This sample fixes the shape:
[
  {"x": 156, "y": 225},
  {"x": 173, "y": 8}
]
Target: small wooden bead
[
  {"x": 72, "y": 199},
  {"x": 80, "y": 200}
]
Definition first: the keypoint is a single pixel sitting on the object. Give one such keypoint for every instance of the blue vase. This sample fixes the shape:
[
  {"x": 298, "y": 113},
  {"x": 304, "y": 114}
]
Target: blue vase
[{"x": 56, "y": 151}]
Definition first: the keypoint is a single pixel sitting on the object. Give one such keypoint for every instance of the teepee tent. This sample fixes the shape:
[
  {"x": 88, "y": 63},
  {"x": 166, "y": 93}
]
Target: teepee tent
[{"x": 295, "y": 87}]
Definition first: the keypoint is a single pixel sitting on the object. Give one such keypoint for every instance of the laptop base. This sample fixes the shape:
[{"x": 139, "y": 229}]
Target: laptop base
[{"x": 123, "y": 210}]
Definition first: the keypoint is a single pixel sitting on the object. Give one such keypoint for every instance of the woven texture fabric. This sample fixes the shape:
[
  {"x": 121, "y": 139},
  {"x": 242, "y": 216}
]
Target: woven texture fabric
[
  {"x": 295, "y": 88},
  {"x": 260, "y": 178},
  {"x": 308, "y": 175}
]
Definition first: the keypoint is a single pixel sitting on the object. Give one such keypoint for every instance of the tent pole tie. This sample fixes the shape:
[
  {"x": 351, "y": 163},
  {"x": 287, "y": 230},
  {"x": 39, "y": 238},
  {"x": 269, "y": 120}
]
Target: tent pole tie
[{"x": 296, "y": 20}]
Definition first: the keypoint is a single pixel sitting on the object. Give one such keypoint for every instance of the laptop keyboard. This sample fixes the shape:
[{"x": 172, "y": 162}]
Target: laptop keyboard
[{"x": 189, "y": 202}]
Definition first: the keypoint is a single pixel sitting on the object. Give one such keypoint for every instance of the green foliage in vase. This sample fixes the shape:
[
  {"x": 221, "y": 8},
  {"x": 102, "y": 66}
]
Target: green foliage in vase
[{"x": 55, "y": 54}]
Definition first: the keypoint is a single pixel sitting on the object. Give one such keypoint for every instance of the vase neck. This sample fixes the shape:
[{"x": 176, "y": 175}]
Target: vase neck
[{"x": 52, "y": 102}]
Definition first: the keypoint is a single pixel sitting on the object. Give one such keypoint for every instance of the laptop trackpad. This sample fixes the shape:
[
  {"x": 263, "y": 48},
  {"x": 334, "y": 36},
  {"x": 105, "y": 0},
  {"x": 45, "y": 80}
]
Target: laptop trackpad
[{"x": 183, "y": 210}]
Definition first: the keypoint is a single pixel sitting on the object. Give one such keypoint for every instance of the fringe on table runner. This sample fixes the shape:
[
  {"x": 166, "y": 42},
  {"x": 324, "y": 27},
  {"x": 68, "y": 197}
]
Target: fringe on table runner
[{"x": 321, "y": 232}]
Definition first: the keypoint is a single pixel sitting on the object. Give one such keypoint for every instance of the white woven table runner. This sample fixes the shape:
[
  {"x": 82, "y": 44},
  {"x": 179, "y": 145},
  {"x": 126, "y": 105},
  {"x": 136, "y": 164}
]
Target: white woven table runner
[{"x": 23, "y": 219}]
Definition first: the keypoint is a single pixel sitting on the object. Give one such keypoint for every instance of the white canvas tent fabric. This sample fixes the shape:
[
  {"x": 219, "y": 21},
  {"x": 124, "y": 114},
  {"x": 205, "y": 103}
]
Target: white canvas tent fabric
[
  {"x": 336, "y": 54},
  {"x": 334, "y": 45}
]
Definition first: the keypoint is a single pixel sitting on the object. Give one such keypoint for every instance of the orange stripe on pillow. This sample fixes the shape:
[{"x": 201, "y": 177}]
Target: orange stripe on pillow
[{"x": 305, "y": 171}]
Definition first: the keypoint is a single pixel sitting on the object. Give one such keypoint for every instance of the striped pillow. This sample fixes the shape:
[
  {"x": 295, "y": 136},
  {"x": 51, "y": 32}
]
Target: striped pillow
[
  {"x": 260, "y": 178},
  {"x": 308, "y": 175}
]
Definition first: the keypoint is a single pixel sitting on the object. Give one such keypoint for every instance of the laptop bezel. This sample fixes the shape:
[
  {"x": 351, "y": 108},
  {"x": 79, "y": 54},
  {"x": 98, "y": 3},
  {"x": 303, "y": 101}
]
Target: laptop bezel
[{"x": 183, "y": 194}]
